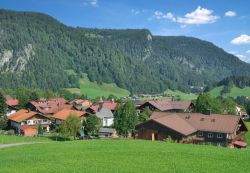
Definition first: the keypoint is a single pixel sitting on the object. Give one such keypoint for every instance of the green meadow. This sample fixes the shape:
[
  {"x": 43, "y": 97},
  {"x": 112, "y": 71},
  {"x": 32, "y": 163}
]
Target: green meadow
[
  {"x": 93, "y": 90},
  {"x": 9, "y": 139},
  {"x": 235, "y": 92},
  {"x": 122, "y": 156},
  {"x": 182, "y": 95}
]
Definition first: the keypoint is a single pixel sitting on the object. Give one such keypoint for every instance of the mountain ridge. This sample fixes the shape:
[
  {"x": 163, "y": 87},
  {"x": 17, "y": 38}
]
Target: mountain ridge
[{"x": 36, "y": 49}]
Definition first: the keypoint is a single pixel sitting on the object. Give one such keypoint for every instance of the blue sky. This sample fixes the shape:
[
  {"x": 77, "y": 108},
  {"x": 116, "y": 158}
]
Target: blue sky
[{"x": 226, "y": 23}]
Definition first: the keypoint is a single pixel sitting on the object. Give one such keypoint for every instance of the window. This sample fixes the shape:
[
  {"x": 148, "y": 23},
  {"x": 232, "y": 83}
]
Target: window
[
  {"x": 219, "y": 135},
  {"x": 45, "y": 120},
  {"x": 200, "y": 134},
  {"x": 210, "y": 135},
  {"x": 29, "y": 122}
]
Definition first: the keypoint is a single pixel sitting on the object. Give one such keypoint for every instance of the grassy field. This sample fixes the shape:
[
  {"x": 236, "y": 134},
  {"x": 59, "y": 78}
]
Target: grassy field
[
  {"x": 183, "y": 96},
  {"x": 234, "y": 92},
  {"x": 119, "y": 156},
  {"x": 92, "y": 89},
  {"x": 9, "y": 139}
]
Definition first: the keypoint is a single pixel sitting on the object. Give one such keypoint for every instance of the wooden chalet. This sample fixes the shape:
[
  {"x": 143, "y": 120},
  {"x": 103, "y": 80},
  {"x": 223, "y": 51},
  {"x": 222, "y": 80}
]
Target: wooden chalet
[
  {"x": 168, "y": 106},
  {"x": 214, "y": 129},
  {"x": 28, "y": 120}
]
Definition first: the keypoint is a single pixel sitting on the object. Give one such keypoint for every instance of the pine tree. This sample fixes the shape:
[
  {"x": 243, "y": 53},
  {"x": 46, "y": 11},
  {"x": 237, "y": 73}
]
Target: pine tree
[
  {"x": 3, "y": 112},
  {"x": 3, "y": 105}
]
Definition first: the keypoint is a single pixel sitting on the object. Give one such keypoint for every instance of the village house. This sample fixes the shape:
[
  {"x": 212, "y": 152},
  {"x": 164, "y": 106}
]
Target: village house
[
  {"x": 65, "y": 113},
  {"x": 106, "y": 116},
  {"x": 12, "y": 104},
  {"x": 214, "y": 129},
  {"x": 50, "y": 106},
  {"x": 81, "y": 104},
  {"x": 110, "y": 105},
  {"x": 26, "y": 122},
  {"x": 168, "y": 106}
]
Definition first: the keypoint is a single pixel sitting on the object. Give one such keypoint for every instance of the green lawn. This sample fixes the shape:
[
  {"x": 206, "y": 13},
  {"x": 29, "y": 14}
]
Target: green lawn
[
  {"x": 182, "y": 95},
  {"x": 234, "y": 92},
  {"x": 9, "y": 139},
  {"x": 92, "y": 89},
  {"x": 122, "y": 156}
]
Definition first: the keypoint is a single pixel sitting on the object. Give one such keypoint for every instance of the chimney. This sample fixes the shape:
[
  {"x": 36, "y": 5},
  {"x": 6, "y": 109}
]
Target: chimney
[{"x": 100, "y": 104}]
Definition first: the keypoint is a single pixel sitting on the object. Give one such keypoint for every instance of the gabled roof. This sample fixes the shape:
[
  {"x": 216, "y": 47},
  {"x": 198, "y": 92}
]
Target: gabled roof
[
  {"x": 176, "y": 123},
  {"x": 164, "y": 105},
  {"x": 105, "y": 104},
  {"x": 12, "y": 102},
  {"x": 63, "y": 114},
  {"x": 200, "y": 122},
  {"x": 104, "y": 113},
  {"x": 82, "y": 102},
  {"x": 51, "y": 106},
  {"x": 213, "y": 122},
  {"x": 22, "y": 115}
]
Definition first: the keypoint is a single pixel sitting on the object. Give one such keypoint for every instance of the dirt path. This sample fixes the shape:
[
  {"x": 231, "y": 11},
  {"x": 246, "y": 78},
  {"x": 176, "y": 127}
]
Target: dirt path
[{"x": 18, "y": 144}]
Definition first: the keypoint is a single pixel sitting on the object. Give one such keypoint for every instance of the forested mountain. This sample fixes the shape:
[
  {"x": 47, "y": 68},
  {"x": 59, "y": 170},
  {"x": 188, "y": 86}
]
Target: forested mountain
[{"x": 37, "y": 51}]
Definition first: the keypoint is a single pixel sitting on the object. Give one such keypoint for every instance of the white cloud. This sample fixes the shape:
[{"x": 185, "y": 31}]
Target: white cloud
[
  {"x": 161, "y": 15},
  {"x": 230, "y": 14},
  {"x": 248, "y": 51},
  {"x": 135, "y": 12},
  {"x": 93, "y": 3},
  {"x": 240, "y": 56},
  {"x": 197, "y": 17},
  {"x": 242, "y": 39}
]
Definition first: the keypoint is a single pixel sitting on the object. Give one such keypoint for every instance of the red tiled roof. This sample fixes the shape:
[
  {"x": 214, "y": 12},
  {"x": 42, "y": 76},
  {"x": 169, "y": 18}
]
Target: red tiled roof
[
  {"x": 164, "y": 105},
  {"x": 12, "y": 102},
  {"x": 200, "y": 122},
  {"x": 63, "y": 114},
  {"x": 22, "y": 115},
  {"x": 51, "y": 106},
  {"x": 110, "y": 105},
  {"x": 240, "y": 143}
]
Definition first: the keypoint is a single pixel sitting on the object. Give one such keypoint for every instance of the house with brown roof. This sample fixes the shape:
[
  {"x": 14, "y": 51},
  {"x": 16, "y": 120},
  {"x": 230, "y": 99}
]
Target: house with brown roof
[
  {"x": 215, "y": 129},
  {"x": 168, "y": 106},
  {"x": 27, "y": 118},
  {"x": 50, "y": 106},
  {"x": 65, "y": 113}
]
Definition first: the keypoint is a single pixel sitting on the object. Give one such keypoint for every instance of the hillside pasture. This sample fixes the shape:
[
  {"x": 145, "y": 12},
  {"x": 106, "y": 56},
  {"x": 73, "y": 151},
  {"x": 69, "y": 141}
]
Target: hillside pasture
[
  {"x": 235, "y": 92},
  {"x": 93, "y": 90},
  {"x": 181, "y": 95}
]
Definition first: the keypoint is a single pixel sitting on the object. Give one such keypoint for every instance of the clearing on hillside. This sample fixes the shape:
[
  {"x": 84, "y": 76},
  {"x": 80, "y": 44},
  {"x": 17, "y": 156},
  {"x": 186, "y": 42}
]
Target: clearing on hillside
[
  {"x": 93, "y": 90},
  {"x": 182, "y": 95},
  {"x": 235, "y": 92}
]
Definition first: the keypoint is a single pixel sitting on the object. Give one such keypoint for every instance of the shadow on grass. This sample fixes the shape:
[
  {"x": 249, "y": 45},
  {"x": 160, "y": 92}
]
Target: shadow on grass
[{"x": 59, "y": 138}]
